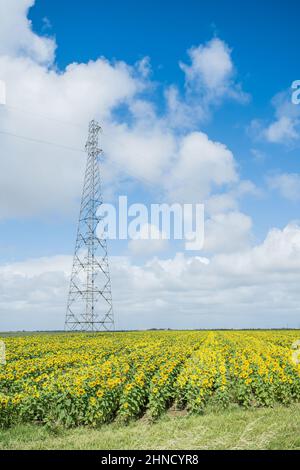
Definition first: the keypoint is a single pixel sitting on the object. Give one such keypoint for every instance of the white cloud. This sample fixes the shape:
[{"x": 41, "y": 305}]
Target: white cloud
[
  {"x": 201, "y": 166},
  {"x": 209, "y": 79},
  {"x": 32, "y": 285},
  {"x": 16, "y": 36},
  {"x": 211, "y": 65},
  {"x": 184, "y": 112},
  {"x": 285, "y": 126},
  {"x": 282, "y": 130},
  {"x": 142, "y": 151},
  {"x": 258, "y": 286},
  {"x": 2, "y": 93},
  {"x": 288, "y": 185},
  {"x": 278, "y": 254},
  {"x": 229, "y": 232},
  {"x": 226, "y": 201},
  {"x": 212, "y": 71},
  {"x": 150, "y": 240}
]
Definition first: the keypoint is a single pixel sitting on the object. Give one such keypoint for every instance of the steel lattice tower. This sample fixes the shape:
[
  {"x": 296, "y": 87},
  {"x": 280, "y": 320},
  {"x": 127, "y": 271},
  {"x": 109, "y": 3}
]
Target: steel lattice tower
[{"x": 90, "y": 301}]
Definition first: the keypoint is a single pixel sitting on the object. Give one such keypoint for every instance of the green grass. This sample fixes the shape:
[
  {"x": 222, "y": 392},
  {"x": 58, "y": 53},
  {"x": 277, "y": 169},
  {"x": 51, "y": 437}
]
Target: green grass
[{"x": 277, "y": 428}]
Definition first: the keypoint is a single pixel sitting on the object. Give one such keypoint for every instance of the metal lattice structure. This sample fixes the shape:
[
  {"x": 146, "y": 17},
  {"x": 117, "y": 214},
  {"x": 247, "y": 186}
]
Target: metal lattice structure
[{"x": 90, "y": 301}]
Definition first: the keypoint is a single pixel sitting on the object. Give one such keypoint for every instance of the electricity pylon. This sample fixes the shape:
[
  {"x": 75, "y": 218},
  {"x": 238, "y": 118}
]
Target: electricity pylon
[{"x": 90, "y": 301}]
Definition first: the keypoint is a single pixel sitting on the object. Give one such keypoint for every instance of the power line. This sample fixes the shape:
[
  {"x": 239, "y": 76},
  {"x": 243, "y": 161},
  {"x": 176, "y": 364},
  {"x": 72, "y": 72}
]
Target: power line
[
  {"x": 40, "y": 141},
  {"x": 31, "y": 139},
  {"x": 39, "y": 115},
  {"x": 48, "y": 118},
  {"x": 66, "y": 147}
]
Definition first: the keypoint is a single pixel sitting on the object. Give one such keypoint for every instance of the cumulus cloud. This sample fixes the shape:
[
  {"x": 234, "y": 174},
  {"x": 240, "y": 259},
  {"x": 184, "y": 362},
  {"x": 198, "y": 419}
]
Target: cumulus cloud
[
  {"x": 33, "y": 293},
  {"x": 211, "y": 65},
  {"x": 253, "y": 286},
  {"x": 230, "y": 200},
  {"x": 16, "y": 36},
  {"x": 148, "y": 241},
  {"x": 202, "y": 165},
  {"x": 228, "y": 232},
  {"x": 256, "y": 286},
  {"x": 210, "y": 78},
  {"x": 212, "y": 71},
  {"x": 143, "y": 152}
]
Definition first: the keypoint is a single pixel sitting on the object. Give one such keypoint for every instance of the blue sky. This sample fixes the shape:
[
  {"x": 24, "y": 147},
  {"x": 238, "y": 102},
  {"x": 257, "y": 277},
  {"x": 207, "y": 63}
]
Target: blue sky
[
  {"x": 137, "y": 52},
  {"x": 165, "y": 30}
]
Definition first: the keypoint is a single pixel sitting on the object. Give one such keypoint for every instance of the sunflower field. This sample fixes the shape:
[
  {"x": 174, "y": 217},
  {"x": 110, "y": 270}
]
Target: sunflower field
[{"x": 91, "y": 379}]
